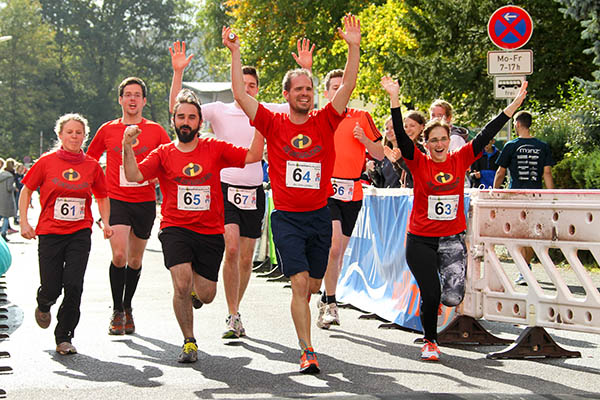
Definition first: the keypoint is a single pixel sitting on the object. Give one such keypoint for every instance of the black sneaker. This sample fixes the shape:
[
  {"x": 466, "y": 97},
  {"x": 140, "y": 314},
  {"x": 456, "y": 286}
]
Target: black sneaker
[{"x": 196, "y": 302}]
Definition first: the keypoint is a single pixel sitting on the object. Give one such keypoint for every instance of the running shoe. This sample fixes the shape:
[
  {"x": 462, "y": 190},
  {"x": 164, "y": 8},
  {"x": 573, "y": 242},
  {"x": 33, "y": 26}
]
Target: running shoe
[
  {"x": 65, "y": 348},
  {"x": 129, "y": 324},
  {"x": 308, "y": 362},
  {"x": 189, "y": 353},
  {"x": 234, "y": 327},
  {"x": 196, "y": 302},
  {"x": 117, "y": 323},
  {"x": 430, "y": 351},
  {"x": 331, "y": 316},
  {"x": 42, "y": 318},
  {"x": 321, "y": 317},
  {"x": 242, "y": 330},
  {"x": 520, "y": 280}
]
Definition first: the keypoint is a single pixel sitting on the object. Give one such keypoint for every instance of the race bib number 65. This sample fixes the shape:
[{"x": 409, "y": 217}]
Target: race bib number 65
[
  {"x": 303, "y": 174},
  {"x": 193, "y": 198},
  {"x": 69, "y": 209},
  {"x": 442, "y": 207}
]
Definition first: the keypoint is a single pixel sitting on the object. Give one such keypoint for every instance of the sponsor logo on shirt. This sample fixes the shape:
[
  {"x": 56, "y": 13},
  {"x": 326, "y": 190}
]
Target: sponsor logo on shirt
[
  {"x": 71, "y": 175},
  {"x": 192, "y": 170},
  {"x": 443, "y": 177},
  {"x": 301, "y": 142}
]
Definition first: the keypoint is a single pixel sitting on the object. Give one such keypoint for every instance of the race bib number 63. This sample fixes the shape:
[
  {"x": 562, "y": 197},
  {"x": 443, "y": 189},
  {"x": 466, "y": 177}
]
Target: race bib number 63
[{"x": 442, "y": 207}]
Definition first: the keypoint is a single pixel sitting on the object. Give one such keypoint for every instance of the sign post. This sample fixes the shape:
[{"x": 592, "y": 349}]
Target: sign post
[{"x": 509, "y": 28}]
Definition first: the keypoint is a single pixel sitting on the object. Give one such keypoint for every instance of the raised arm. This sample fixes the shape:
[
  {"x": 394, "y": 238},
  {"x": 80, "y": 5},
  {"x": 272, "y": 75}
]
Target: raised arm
[
  {"x": 304, "y": 58},
  {"x": 255, "y": 152},
  {"x": 494, "y": 126},
  {"x": 130, "y": 166},
  {"x": 405, "y": 144},
  {"x": 352, "y": 38},
  {"x": 179, "y": 62},
  {"x": 247, "y": 102}
]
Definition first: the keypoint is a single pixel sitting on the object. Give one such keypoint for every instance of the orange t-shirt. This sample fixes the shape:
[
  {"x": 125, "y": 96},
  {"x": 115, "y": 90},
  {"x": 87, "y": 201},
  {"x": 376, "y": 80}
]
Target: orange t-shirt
[{"x": 349, "y": 152}]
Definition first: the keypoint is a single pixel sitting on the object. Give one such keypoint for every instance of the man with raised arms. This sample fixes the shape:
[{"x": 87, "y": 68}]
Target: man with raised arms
[
  {"x": 243, "y": 194},
  {"x": 301, "y": 159}
]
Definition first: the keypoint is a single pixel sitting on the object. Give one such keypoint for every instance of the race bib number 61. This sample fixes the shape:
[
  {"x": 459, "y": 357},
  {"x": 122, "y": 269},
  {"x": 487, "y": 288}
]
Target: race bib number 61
[
  {"x": 442, "y": 207},
  {"x": 303, "y": 175},
  {"x": 69, "y": 209}
]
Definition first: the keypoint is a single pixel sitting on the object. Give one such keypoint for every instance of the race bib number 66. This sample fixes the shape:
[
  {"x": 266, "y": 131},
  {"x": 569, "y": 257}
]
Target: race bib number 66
[
  {"x": 303, "y": 175},
  {"x": 442, "y": 207}
]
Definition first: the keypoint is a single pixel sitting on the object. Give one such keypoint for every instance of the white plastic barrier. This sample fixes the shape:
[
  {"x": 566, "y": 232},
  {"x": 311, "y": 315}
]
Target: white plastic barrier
[{"x": 564, "y": 219}]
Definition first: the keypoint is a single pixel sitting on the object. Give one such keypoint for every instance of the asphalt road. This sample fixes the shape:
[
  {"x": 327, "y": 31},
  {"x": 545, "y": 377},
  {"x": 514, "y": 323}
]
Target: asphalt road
[{"x": 357, "y": 359}]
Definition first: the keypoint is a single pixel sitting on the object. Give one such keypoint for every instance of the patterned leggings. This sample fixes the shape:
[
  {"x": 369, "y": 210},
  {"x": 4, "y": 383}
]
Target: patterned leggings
[{"x": 439, "y": 265}]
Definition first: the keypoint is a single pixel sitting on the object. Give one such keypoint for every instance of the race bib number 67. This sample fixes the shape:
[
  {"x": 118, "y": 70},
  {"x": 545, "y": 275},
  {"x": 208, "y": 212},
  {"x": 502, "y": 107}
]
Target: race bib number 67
[
  {"x": 303, "y": 175},
  {"x": 442, "y": 207}
]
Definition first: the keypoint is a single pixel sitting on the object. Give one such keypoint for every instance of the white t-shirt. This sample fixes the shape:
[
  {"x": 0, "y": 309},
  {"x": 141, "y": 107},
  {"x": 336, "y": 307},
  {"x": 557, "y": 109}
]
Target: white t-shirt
[{"x": 230, "y": 123}]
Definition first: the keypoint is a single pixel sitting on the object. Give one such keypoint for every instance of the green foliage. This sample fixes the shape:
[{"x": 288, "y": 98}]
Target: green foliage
[{"x": 572, "y": 131}]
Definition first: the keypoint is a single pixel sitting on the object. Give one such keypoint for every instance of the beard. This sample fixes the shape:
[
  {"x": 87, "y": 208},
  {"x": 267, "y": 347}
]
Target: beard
[{"x": 186, "y": 137}]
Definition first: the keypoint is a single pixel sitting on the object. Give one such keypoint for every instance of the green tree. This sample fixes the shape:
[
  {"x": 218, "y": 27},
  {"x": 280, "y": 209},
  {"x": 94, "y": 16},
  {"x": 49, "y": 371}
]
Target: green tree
[
  {"x": 587, "y": 12},
  {"x": 100, "y": 43},
  {"x": 27, "y": 68}
]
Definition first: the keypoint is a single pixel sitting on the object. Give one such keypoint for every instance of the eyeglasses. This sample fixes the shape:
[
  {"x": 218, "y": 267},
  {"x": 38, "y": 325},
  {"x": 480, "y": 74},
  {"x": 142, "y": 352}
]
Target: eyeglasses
[{"x": 435, "y": 141}]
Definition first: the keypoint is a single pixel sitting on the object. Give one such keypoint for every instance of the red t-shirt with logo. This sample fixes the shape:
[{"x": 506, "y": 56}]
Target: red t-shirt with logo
[
  {"x": 438, "y": 205},
  {"x": 301, "y": 157},
  {"x": 191, "y": 183},
  {"x": 109, "y": 138},
  {"x": 65, "y": 193},
  {"x": 349, "y": 152}
]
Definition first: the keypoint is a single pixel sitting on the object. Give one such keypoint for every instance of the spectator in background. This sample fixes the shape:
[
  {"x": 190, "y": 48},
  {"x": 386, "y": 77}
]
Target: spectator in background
[
  {"x": 385, "y": 173},
  {"x": 484, "y": 168},
  {"x": 8, "y": 206},
  {"x": 528, "y": 160}
]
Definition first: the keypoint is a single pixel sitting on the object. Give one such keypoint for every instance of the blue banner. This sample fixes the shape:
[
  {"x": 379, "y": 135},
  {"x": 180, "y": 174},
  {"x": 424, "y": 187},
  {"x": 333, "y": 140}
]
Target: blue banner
[{"x": 375, "y": 277}]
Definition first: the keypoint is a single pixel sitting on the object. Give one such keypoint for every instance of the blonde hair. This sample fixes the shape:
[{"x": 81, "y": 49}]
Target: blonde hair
[{"x": 61, "y": 121}]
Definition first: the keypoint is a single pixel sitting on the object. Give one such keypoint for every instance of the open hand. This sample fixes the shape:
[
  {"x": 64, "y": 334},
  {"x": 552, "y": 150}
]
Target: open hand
[
  {"x": 178, "y": 59},
  {"x": 352, "y": 30}
]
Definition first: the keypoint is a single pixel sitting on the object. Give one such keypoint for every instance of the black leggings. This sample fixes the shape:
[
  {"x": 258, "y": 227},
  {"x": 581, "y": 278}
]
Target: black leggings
[
  {"x": 63, "y": 260},
  {"x": 439, "y": 265}
]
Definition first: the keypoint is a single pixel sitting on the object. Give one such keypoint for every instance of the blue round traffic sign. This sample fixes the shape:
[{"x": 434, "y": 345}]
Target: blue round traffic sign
[{"x": 510, "y": 27}]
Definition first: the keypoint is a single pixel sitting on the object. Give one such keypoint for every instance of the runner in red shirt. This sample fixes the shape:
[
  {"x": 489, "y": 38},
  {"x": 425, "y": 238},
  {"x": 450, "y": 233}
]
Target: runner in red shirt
[
  {"x": 301, "y": 161},
  {"x": 354, "y": 135},
  {"x": 67, "y": 178},
  {"x": 132, "y": 204},
  {"x": 191, "y": 230},
  {"x": 435, "y": 246}
]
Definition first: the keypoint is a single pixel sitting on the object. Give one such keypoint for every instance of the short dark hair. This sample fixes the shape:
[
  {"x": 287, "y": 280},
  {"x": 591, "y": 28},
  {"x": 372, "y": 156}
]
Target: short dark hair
[
  {"x": 434, "y": 123},
  {"x": 291, "y": 74},
  {"x": 186, "y": 96},
  {"x": 132, "y": 80},
  {"x": 336, "y": 73},
  {"x": 524, "y": 118},
  {"x": 249, "y": 70}
]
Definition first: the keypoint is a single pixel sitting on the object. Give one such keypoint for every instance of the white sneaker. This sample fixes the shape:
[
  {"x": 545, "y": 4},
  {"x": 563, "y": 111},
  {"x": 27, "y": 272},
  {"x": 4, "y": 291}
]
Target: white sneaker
[
  {"x": 332, "y": 316},
  {"x": 234, "y": 327},
  {"x": 321, "y": 308},
  {"x": 520, "y": 280}
]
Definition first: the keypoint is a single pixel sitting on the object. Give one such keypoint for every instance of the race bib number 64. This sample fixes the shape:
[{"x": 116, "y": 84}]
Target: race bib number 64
[
  {"x": 303, "y": 175},
  {"x": 442, "y": 207}
]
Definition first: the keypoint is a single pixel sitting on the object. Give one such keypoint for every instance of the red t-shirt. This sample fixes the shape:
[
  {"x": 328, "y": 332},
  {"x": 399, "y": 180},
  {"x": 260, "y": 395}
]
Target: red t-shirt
[
  {"x": 350, "y": 153},
  {"x": 438, "y": 205},
  {"x": 65, "y": 193},
  {"x": 191, "y": 183},
  {"x": 301, "y": 157},
  {"x": 109, "y": 138}
]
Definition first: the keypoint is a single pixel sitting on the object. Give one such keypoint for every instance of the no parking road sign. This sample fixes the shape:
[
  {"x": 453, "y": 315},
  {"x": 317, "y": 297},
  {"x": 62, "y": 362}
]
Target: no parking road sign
[{"x": 510, "y": 27}]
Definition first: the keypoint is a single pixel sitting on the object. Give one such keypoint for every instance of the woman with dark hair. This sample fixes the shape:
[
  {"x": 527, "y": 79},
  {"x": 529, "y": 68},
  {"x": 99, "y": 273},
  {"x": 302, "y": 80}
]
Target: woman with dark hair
[
  {"x": 435, "y": 246},
  {"x": 67, "y": 178}
]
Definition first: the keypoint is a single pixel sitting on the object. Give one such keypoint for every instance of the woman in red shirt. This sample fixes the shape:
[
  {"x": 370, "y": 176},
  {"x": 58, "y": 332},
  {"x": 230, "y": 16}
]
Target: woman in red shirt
[
  {"x": 435, "y": 246},
  {"x": 67, "y": 178}
]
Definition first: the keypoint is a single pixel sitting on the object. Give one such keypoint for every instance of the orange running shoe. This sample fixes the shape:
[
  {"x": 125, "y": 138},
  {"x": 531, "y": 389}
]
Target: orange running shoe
[
  {"x": 308, "y": 362},
  {"x": 430, "y": 351}
]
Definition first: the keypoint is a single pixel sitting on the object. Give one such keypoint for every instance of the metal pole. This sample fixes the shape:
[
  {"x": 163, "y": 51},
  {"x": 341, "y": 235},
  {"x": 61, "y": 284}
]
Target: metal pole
[{"x": 508, "y": 101}]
